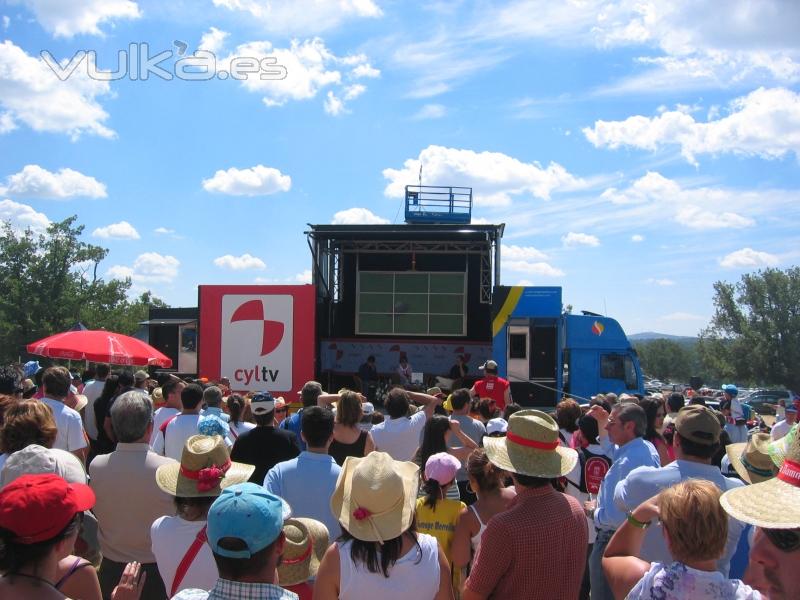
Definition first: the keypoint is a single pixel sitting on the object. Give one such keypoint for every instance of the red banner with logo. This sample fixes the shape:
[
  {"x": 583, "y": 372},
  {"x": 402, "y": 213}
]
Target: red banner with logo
[{"x": 261, "y": 337}]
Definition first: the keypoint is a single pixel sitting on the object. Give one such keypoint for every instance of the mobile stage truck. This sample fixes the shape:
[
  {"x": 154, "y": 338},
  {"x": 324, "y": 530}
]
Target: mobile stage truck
[{"x": 428, "y": 290}]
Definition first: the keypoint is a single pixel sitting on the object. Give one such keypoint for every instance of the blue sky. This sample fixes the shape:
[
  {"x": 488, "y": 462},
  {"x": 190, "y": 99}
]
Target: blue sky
[{"x": 637, "y": 151}]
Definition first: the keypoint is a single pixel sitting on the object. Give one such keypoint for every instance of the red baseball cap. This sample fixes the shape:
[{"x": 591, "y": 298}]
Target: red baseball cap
[{"x": 38, "y": 507}]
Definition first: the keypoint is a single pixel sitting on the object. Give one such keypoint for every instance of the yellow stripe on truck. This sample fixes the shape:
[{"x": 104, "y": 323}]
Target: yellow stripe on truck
[{"x": 514, "y": 294}]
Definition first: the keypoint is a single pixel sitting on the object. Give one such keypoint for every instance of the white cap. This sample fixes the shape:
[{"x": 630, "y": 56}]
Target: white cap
[
  {"x": 498, "y": 425},
  {"x": 368, "y": 408}
]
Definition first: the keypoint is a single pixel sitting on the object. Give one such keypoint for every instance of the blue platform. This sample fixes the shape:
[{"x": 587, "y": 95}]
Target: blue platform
[{"x": 438, "y": 204}]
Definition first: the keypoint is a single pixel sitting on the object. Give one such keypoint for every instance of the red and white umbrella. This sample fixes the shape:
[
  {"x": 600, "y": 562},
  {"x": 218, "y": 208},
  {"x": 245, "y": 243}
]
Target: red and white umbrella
[{"x": 99, "y": 346}]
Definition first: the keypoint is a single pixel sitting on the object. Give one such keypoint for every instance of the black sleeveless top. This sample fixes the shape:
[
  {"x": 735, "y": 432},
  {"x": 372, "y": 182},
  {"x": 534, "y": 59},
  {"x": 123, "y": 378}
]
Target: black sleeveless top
[{"x": 340, "y": 451}]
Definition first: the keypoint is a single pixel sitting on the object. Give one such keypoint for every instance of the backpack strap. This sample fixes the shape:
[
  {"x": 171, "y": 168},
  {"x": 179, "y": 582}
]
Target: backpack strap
[{"x": 187, "y": 560}]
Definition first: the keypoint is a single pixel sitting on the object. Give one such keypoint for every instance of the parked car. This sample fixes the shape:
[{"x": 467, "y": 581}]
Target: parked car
[{"x": 764, "y": 402}]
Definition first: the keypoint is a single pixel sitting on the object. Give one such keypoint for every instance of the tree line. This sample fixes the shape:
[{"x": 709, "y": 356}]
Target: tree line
[
  {"x": 49, "y": 282},
  {"x": 753, "y": 337}
]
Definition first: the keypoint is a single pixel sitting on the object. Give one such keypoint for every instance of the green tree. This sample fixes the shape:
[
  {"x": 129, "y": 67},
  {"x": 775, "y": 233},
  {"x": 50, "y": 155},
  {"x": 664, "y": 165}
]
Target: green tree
[
  {"x": 754, "y": 335},
  {"x": 665, "y": 359},
  {"x": 49, "y": 282}
]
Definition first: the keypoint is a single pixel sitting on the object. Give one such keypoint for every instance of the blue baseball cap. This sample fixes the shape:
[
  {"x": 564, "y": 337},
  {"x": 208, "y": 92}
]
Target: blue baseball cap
[
  {"x": 730, "y": 389},
  {"x": 248, "y": 512}
]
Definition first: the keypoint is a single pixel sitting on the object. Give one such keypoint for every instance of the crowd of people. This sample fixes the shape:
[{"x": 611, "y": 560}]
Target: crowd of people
[{"x": 117, "y": 485}]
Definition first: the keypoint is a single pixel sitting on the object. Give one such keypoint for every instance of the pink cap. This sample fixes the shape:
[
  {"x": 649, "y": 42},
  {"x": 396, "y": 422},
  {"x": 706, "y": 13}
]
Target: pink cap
[{"x": 442, "y": 467}]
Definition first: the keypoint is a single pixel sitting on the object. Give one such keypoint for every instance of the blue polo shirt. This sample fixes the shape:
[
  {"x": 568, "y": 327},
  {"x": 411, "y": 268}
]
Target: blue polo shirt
[
  {"x": 636, "y": 453},
  {"x": 307, "y": 483},
  {"x": 294, "y": 423},
  {"x": 645, "y": 482}
]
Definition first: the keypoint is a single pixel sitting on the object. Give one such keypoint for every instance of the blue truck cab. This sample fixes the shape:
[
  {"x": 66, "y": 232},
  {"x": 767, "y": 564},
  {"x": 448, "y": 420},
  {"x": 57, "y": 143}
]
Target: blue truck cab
[{"x": 547, "y": 354}]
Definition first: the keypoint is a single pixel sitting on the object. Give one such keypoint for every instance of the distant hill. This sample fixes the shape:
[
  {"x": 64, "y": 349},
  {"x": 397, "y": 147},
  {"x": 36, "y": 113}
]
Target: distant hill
[{"x": 652, "y": 335}]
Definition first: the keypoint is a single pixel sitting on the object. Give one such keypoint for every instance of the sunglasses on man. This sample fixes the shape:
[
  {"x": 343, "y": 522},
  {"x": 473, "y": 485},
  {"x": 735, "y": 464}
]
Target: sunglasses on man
[{"x": 786, "y": 540}]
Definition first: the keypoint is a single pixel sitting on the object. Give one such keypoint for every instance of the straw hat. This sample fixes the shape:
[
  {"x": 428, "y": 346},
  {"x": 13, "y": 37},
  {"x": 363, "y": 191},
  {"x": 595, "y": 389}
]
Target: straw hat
[
  {"x": 773, "y": 504},
  {"x": 306, "y": 543},
  {"x": 205, "y": 469},
  {"x": 751, "y": 459},
  {"x": 778, "y": 449},
  {"x": 531, "y": 447},
  {"x": 375, "y": 496}
]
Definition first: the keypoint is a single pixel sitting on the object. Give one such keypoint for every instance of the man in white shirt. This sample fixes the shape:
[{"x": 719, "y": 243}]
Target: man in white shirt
[
  {"x": 174, "y": 432},
  {"x": 399, "y": 435},
  {"x": 171, "y": 392},
  {"x": 71, "y": 435},
  {"x": 781, "y": 428},
  {"x": 92, "y": 391}
]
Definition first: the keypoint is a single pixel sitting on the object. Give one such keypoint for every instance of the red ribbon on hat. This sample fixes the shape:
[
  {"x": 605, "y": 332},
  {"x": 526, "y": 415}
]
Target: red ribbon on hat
[
  {"x": 790, "y": 472},
  {"x": 207, "y": 478},
  {"x": 302, "y": 557},
  {"x": 531, "y": 443},
  {"x": 361, "y": 513}
]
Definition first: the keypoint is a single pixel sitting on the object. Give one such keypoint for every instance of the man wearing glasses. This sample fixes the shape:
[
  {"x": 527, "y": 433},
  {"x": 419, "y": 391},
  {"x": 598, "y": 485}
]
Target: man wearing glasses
[{"x": 773, "y": 506}]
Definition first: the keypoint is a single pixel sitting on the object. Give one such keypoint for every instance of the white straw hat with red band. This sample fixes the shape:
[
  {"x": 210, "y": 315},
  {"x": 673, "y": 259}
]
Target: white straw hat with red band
[
  {"x": 205, "y": 469},
  {"x": 773, "y": 504},
  {"x": 531, "y": 447}
]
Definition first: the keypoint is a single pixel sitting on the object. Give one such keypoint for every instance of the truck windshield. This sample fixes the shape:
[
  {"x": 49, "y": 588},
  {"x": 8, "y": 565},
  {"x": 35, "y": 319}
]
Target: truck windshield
[{"x": 619, "y": 366}]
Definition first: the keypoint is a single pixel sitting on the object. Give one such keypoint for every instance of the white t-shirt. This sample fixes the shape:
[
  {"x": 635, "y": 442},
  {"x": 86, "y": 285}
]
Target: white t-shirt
[
  {"x": 780, "y": 429},
  {"x": 678, "y": 582},
  {"x": 171, "y": 538},
  {"x": 180, "y": 429},
  {"x": 414, "y": 575},
  {"x": 92, "y": 391},
  {"x": 399, "y": 437},
  {"x": 161, "y": 415},
  {"x": 70, "y": 435}
]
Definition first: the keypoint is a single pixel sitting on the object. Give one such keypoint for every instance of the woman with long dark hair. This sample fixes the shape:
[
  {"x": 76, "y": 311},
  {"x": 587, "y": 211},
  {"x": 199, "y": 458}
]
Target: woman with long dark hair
[
  {"x": 102, "y": 408},
  {"x": 486, "y": 481},
  {"x": 237, "y": 406},
  {"x": 380, "y": 554},
  {"x": 434, "y": 440},
  {"x": 654, "y": 409}
]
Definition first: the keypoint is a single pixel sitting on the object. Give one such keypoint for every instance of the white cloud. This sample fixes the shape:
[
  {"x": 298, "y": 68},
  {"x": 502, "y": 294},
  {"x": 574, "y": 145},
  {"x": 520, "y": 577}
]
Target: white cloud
[
  {"x": 310, "y": 67},
  {"x": 697, "y": 218},
  {"x": 64, "y": 18},
  {"x": 494, "y": 177},
  {"x": 765, "y": 123},
  {"x": 163, "y": 231},
  {"x": 654, "y": 197},
  {"x": 6, "y": 21},
  {"x": 661, "y": 282},
  {"x": 357, "y": 216},
  {"x": 32, "y": 94},
  {"x": 351, "y": 92},
  {"x": 117, "y": 231},
  {"x": 302, "y": 16},
  {"x": 637, "y": 238},
  {"x": 528, "y": 253},
  {"x": 213, "y": 40},
  {"x": 255, "y": 181},
  {"x": 150, "y": 267},
  {"x": 747, "y": 257},
  {"x": 540, "y": 268},
  {"x": 574, "y": 239},
  {"x": 22, "y": 216},
  {"x": 304, "y": 277},
  {"x": 430, "y": 111},
  {"x": 365, "y": 70},
  {"x": 239, "y": 263},
  {"x": 35, "y": 182},
  {"x": 334, "y": 105}
]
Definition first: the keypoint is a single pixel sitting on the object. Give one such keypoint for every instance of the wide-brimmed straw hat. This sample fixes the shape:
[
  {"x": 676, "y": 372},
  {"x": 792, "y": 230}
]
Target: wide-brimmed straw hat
[
  {"x": 205, "y": 469},
  {"x": 751, "y": 459},
  {"x": 531, "y": 447},
  {"x": 375, "y": 496},
  {"x": 306, "y": 543},
  {"x": 778, "y": 449},
  {"x": 772, "y": 504}
]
